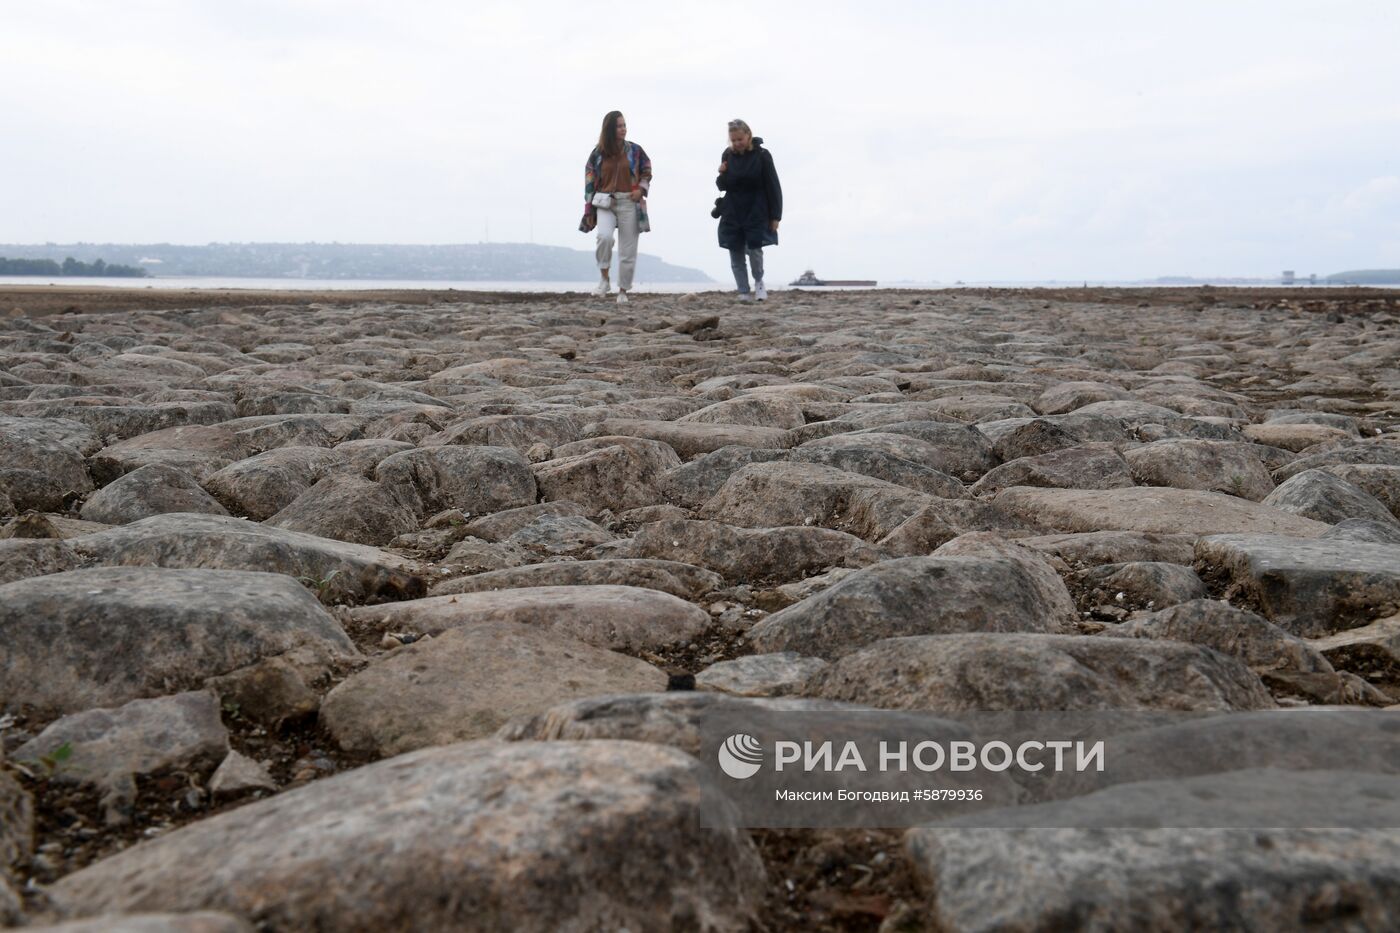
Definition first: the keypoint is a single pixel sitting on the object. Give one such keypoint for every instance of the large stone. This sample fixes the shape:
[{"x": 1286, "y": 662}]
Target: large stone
[
  {"x": 32, "y": 489},
  {"x": 21, "y": 558},
  {"x": 942, "y": 520},
  {"x": 560, "y": 534},
  {"x": 146, "y": 491},
  {"x": 751, "y": 410},
  {"x": 1320, "y": 495},
  {"x": 694, "y": 438},
  {"x": 473, "y": 479},
  {"x": 1364, "y": 529},
  {"x": 770, "y": 495},
  {"x": 518, "y": 432},
  {"x": 338, "y": 570},
  {"x": 679, "y": 579},
  {"x": 1380, "y": 452},
  {"x": 44, "y": 455},
  {"x": 1114, "y": 547},
  {"x": 1067, "y": 396},
  {"x": 468, "y": 681},
  {"x": 958, "y": 450},
  {"x": 1380, "y": 480},
  {"x": 1215, "y": 466},
  {"x": 1073, "y": 468},
  {"x": 616, "y": 477},
  {"x": 1294, "y": 437},
  {"x": 1043, "y": 572},
  {"x": 501, "y": 525},
  {"x": 199, "y": 450},
  {"x": 103, "y": 636},
  {"x": 759, "y": 675},
  {"x": 881, "y": 464},
  {"x": 110, "y": 748},
  {"x": 347, "y": 507},
  {"x": 129, "y": 420},
  {"x": 1230, "y": 630},
  {"x": 1138, "y": 584},
  {"x": 1156, "y": 881},
  {"x": 72, "y": 434},
  {"x": 915, "y": 596},
  {"x": 1003, "y": 671},
  {"x": 261, "y": 486},
  {"x": 1152, "y": 509},
  {"x": 623, "y": 618},
  {"x": 691, "y": 484},
  {"x": 476, "y": 836},
  {"x": 748, "y": 554},
  {"x": 366, "y": 454},
  {"x": 1308, "y": 587}
]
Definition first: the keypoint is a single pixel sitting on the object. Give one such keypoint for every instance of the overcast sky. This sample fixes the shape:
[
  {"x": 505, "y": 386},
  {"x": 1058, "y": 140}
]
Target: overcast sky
[{"x": 928, "y": 140}]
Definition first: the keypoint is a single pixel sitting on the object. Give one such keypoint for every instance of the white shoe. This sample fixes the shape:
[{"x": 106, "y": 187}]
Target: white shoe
[
  {"x": 746, "y": 296},
  {"x": 621, "y": 297},
  {"x": 601, "y": 289},
  {"x": 759, "y": 292}
]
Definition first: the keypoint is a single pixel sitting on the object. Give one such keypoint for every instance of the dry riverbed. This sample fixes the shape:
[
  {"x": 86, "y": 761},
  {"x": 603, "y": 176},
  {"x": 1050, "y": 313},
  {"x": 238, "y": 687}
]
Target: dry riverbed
[{"x": 378, "y": 610}]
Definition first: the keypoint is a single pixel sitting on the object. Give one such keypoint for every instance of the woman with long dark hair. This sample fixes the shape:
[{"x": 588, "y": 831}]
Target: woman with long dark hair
[
  {"x": 616, "y": 180},
  {"x": 751, "y": 208}
]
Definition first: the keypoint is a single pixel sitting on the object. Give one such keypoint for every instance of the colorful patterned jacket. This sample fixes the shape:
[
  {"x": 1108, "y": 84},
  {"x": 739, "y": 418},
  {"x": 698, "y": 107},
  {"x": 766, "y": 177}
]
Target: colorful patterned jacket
[{"x": 639, "y": 162}]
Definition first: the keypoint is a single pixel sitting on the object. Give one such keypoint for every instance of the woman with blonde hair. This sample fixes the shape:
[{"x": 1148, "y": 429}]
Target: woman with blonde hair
[
  {"x": 616, "y": 179},
  {"x": 751, "y": 208}
]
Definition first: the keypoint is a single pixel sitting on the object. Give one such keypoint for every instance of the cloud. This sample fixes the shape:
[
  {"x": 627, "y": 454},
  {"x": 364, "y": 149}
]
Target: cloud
[{"x": 973, "y": 141}]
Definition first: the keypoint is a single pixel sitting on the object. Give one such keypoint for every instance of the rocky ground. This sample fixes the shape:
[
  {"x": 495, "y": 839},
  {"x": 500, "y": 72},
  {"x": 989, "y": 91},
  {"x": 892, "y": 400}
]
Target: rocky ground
[{"x": 371, "y": 611}]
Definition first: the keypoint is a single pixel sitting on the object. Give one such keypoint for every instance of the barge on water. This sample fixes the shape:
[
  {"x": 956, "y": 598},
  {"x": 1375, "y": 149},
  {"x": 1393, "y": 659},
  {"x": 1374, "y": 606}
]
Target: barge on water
[{"x": 809, "y": 278}]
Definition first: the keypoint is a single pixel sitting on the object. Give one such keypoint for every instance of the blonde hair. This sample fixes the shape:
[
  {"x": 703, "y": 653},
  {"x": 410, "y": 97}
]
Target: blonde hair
[{"x": 741, "y": 126}]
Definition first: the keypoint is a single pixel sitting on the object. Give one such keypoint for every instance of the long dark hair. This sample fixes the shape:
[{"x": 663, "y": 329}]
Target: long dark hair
[{"x": 607, "y": 139}]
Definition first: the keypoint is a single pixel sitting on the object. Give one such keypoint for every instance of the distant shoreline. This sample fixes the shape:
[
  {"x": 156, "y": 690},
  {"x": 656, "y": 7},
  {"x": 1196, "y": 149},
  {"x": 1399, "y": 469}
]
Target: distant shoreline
[{"x": 40, "y": 300}]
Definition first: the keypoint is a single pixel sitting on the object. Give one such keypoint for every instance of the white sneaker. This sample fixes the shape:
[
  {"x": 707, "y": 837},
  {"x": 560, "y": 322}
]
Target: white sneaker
[
  {"x": 601, "y": 289},
  {"x": 621, "y": 297},
  {"x": 746, "y": 296},
  {"x": 759, "y": 292}
]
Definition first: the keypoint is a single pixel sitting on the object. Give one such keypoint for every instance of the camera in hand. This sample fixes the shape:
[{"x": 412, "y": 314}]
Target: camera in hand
[{"x": 719, "y": 207}]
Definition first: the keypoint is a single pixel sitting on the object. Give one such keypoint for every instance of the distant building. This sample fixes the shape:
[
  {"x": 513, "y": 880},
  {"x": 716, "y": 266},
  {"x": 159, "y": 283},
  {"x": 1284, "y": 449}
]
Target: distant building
[{"x": 1287, "y": 276}]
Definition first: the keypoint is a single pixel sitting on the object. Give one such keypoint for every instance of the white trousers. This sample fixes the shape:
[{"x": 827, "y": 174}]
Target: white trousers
[{"x": 623, "y": 219}]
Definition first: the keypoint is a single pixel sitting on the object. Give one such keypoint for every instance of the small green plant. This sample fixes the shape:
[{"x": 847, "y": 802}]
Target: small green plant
[
  {"x": 322, "y": 586},
  {"x": 1236, "y": 484},
  {"x": 49, "y": 764}
]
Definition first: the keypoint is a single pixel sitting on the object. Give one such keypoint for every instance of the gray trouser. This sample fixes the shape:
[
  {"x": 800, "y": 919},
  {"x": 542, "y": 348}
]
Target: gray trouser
[
  {"x": 623, "y": 219},
  {"x": 741, "y": 276}
]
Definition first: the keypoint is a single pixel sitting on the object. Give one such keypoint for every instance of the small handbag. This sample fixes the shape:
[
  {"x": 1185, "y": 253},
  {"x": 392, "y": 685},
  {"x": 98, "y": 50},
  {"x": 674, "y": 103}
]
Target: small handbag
[{"x": 602, "y": 199}]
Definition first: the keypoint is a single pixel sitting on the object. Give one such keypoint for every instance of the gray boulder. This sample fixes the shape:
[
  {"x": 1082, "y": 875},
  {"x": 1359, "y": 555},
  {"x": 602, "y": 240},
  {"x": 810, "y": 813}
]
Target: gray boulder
[
  {"x": 914, "y": 596},
  {"x": 679, "y": 579},
  {"x": 261, "y": 486},
  {"x": 1199, "y": 464},
  {"x": 146, "y": 491},
  {"x": 107, "y": 635},
  {"x": 1003, "y": 671},
  {"x": 748, "y": 554},
  {"x": 626, "y": 618},
  {"x": 340, "y": 571},
  {"x": 466, "y": 682},
  {"x": 1156, "y": 881},
  {"x": 1308, "y": 587},
  {"x": 473, "y": 479},
  {"x": 347, "y": 507},
  {"x": 566, "y": 836},
  {"x": 1320, "y": 495}
]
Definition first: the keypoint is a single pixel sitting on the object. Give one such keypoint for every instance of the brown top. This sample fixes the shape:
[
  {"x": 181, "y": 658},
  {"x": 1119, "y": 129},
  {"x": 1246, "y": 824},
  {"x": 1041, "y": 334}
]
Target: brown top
[{"x": 616, "y": 174}]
